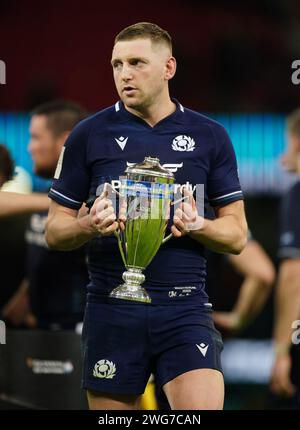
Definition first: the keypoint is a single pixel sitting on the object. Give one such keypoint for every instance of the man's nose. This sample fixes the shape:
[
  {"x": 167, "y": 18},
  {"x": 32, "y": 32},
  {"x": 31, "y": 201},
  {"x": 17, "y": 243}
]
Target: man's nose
[
  {"x": 31, "y": 147},
  {"x": 126, "y": 72}
]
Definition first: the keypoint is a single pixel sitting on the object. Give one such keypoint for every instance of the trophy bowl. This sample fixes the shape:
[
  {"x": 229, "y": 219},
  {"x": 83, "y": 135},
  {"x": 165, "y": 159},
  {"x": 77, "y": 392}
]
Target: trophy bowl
[{"x": 147, "y": 192}]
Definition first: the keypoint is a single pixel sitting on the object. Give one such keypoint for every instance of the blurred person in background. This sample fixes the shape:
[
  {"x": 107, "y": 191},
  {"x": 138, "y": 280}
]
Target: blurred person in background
[
  {"x": 12, "y": 244},
  {"x": 13, "y": 178},
  {"x": 285, "y": 378},
  {"x": 13, "y": 210},
  {"x": 55, "y": 281},
  {"x": 258, "y": 278},
  {"x": 6, "y": 165},
  {"x": 16, "y": 203}
]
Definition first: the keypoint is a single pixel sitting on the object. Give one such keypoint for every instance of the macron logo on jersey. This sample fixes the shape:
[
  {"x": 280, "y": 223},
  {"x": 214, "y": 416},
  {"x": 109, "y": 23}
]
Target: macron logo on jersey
[
  {"x": 121, "y": 142},
  {"x": 202, "y": 348}
]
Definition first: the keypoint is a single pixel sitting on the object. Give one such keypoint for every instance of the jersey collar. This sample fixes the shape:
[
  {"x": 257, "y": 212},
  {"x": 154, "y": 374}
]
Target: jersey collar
[{"x": 176, "y": 117}]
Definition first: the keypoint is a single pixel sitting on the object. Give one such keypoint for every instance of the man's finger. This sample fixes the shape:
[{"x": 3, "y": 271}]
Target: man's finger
[
  {"x": 187, "y": 210},
  {"x": 110, "y": 229},
  {"x": 182, "y": 215},
  {"x": 105, "y": 213},
  {"x": 107, "y": 221},
  {"x": 175, "y": 231},
  {"x": 103, "y": 204},
  {"x": 188, "y": 193}
]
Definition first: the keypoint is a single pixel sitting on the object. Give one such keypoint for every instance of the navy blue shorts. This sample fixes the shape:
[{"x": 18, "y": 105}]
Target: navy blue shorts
[{"x": 124, "y": 342}]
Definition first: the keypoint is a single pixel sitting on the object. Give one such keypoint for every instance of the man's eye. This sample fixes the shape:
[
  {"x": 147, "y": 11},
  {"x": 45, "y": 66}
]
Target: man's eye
[{"x": 136, "y": 62}]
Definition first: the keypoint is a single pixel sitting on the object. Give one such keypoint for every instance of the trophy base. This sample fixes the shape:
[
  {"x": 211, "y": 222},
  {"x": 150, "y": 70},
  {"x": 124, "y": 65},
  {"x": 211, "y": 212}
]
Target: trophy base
[{"x": 127, "y": 292}]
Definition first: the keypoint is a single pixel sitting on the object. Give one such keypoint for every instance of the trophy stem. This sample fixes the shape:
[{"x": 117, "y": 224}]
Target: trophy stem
[{"x": 131, "y": 289}]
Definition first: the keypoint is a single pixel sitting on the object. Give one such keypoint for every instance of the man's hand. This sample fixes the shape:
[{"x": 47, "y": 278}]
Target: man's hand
[
  {"x": 17, "y": 309},
  {"x": 231, "y": 322},
  {"x": 102, "y": 215},
  {"x": 186, "y": 217},
  {"x": 280, "y": 379},
  {"x": 103, "y": 218}
]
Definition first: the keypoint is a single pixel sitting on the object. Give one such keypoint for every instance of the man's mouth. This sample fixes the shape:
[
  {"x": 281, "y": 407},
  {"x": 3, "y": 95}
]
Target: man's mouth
[{"x": 128, "y": 89}]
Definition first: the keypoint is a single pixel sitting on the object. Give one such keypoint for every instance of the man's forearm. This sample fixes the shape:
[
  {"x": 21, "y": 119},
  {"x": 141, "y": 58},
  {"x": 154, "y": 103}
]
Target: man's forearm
[
  {"x": 287, "y": 308},
  {"x": 65, "y": 233},
  {"x": 222, "y": 235},
  {"x": 14, "y": 203},
  {"x": 253, "y": 295}
]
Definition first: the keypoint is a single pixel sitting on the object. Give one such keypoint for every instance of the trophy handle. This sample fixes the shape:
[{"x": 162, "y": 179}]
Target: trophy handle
[
  {"x": 167, "y": 238},
  {"x": 117, "y": 234}
]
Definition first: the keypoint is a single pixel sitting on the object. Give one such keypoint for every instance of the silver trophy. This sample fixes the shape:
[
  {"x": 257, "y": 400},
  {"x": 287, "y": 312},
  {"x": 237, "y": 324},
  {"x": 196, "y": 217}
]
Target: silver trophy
[{"x": 147, "y": 192}]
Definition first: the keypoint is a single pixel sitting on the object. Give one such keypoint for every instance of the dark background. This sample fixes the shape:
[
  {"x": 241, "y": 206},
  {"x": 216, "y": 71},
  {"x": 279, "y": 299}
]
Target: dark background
[{"x": 232, "y": 55}]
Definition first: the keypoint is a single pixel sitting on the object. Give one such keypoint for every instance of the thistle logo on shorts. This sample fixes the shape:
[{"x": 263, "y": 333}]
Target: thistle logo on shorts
[
  {"x": 104, "y": 369},
  {"x": 183, "y": 143}
]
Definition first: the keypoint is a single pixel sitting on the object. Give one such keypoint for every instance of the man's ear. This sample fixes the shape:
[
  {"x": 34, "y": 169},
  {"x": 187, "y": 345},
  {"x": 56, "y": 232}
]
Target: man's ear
[
  {"x": 62, "y": 138},
  {"x": 171, "y": 66},
  {"x": 298, "y": 143}
]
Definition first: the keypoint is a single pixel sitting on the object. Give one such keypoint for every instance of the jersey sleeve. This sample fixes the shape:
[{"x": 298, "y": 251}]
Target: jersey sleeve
[
  {"x": 71, "y": 180},
  {"x": 289, "y": 238},
  {"x": 223, "y": 186}
]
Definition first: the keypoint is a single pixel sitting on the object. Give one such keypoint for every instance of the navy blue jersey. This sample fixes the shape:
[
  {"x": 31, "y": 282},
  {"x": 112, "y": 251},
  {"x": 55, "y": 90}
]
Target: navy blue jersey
[
  {"x": 289, "y": 241},
  {"x": 196, "y": 149},
  {"x": 57, "y": 280}
]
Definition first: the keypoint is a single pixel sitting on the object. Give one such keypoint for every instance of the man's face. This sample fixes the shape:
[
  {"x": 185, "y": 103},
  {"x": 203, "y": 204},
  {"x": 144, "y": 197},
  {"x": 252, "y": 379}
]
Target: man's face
[
  {"x": 44, "y": 147},
  {"x": 291, "y": 159},
  {"x": 140, "y": 71}
]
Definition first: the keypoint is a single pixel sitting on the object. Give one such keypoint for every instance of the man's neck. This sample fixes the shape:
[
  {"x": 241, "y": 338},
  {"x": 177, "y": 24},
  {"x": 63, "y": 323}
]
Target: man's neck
[{"x": 156, "y": 112}]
